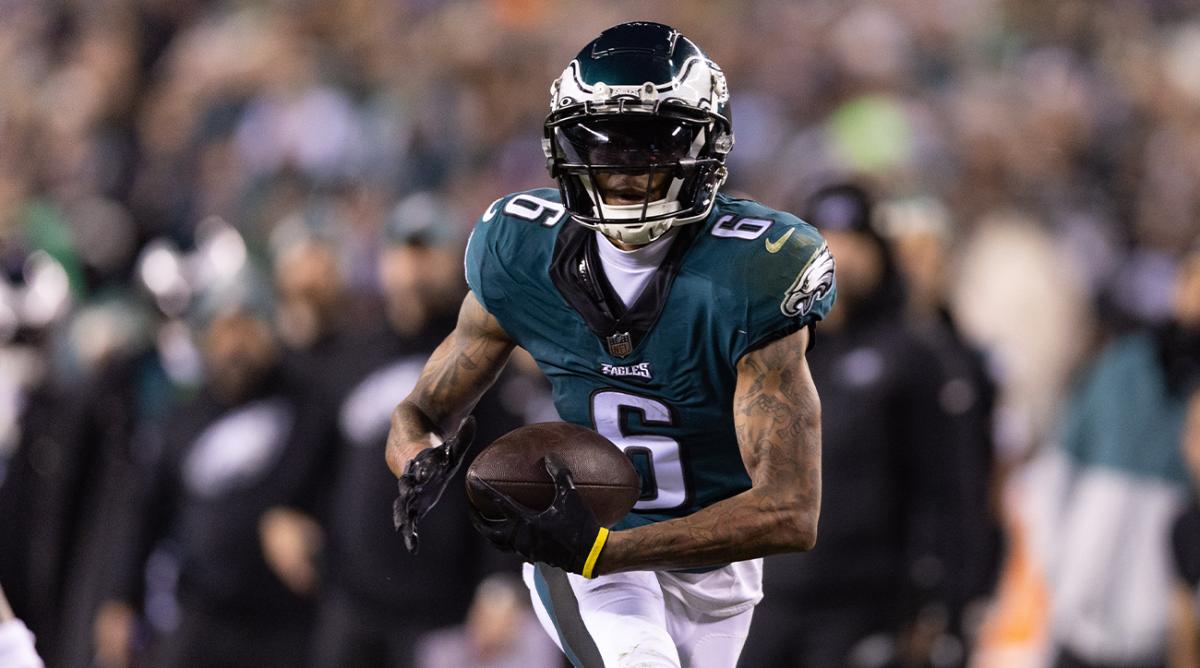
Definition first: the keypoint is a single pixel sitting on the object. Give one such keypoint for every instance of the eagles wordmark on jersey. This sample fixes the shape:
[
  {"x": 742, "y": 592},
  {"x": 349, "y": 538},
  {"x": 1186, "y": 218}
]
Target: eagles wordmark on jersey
[{"x": 656, "y": 378}]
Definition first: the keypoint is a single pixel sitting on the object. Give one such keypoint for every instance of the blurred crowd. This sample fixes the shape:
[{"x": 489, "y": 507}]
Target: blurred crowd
[{"x": 231, "y": 231}]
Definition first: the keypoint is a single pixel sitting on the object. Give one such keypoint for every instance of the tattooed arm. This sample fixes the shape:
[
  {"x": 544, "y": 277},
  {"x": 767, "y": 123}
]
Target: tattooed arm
[
  {"x": 457, "y": 374},
  {"x": 777, "y": 415}
]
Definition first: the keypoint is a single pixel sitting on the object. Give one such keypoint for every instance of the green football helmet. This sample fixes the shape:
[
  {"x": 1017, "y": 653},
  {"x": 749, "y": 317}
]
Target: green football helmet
[{"x": 642, "y": 101}]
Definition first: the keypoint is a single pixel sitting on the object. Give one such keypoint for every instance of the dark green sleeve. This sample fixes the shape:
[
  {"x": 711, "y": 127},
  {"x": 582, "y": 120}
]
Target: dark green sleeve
[
  {"x": 478, "y": 251},
  {"x": 788, "y": 289}
]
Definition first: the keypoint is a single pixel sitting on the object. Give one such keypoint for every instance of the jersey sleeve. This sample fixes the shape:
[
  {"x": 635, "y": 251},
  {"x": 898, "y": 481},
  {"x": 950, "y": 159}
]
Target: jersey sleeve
[
  {"x": 508, "y": 251},
  {"x": 478, "y": 251},
  {"x": 791, "y": 285}
]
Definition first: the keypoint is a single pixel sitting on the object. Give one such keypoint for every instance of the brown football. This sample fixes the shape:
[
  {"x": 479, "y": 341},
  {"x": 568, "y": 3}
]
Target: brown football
[{"x": 513, "y": 464}]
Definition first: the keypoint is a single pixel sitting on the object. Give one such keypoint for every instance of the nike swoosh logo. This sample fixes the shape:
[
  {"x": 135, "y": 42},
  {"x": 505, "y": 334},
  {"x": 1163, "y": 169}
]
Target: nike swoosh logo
[{"x": 777, "y": 245}]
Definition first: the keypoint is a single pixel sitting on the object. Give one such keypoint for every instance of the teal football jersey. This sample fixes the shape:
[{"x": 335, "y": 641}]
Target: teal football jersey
[{"x": 656, "y": 378}]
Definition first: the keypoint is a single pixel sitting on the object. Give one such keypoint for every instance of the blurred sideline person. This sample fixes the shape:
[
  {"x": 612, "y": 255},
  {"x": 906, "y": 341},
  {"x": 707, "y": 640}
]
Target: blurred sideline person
[
  {"x": 655, "y": 305},
  {"x": 1184, "y": 647},
  {"x": 79, "y": 425},
  {"x": 500, "y": 632},
  {"x": 376, "y": 600},
  {"x": 239, "y": 447},
  {"x": 310, "y": 314},
  {"x": 1108, "y": 492},
  {"x": 879, "y": 589},
  {"x": 44, "y": 482},
  {"x": 311, "y": 319},
  {"x": 920, "y": 233},
  {"x": 16, "y": 642},
  {"x": 128, "y": 401}
]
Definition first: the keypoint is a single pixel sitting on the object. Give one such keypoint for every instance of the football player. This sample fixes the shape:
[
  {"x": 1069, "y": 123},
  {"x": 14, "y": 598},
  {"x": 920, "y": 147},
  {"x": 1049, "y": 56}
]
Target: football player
[{"x": 669, "y": 317}]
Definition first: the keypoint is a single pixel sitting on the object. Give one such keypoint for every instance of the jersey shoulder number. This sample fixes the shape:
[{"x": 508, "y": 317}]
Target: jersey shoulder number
[
  {"x": 533, "y": 207},
  {"x": 540, "y": 205},
  {"x": 513, "y": 232}
]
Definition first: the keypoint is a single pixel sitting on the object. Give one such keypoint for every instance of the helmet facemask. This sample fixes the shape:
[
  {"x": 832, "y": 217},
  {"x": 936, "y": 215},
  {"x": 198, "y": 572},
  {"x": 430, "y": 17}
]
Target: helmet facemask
[{"x": 633, "y": 175}]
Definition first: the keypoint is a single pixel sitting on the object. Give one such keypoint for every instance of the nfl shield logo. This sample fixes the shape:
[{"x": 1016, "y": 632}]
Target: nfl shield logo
[{"x": 619, "y": 344}]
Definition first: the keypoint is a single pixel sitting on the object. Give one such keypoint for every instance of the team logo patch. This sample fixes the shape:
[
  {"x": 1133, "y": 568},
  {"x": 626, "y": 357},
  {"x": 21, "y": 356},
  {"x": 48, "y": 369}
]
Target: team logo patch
[
  {"x": 639, "y": 370},
  {"x": 814, "y": 282},
  {"x": 620, "y": 344}
]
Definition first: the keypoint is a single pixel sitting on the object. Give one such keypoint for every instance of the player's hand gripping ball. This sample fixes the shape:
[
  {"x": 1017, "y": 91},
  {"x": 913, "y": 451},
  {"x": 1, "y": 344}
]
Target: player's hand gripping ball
[
  {"x": 549, "y": 492},
  {"x": 425, "y": 478}
]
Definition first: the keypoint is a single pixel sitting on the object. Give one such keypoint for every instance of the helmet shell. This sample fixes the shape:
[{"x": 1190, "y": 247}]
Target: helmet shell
[{"x": 642, "y": 70}]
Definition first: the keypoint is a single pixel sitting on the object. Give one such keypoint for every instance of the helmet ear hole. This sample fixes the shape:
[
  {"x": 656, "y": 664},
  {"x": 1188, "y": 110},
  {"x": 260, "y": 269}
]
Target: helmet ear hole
[{"x": 723, "y": 142}]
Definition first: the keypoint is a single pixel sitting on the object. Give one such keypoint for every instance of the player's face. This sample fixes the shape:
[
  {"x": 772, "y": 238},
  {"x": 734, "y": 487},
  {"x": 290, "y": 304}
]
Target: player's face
[
  {"x": 622, "y": 188},
  {"x": 631, "y": 157}
]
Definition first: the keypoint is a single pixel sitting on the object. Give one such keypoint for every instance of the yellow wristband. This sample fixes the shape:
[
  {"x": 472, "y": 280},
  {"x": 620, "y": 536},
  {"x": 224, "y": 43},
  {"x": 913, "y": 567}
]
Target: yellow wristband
[{"x": 590, "y": 564}]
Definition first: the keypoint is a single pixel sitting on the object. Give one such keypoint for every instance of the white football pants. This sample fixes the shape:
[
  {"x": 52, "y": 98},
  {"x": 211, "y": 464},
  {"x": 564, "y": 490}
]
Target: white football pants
[{"x": 625, "y": 620}]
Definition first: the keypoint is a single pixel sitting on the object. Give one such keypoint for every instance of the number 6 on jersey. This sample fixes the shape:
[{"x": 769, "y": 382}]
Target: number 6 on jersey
[{"x": 656, "y": 458}]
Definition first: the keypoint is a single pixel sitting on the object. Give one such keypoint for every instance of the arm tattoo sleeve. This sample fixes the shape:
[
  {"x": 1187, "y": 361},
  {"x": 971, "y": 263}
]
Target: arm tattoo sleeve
[
  {"x": 463, "y": 367},
  {"x": 778, "y": 422}
]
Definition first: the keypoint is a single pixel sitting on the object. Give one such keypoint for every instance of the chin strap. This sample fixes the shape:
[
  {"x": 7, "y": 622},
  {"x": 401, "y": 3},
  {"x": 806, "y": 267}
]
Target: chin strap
[
  {"x": 638, "y": 235},
  {"x": 626, "y": 222}
]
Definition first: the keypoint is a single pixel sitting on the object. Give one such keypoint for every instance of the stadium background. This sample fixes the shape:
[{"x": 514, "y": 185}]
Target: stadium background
[{"x": 157, "y": 157}]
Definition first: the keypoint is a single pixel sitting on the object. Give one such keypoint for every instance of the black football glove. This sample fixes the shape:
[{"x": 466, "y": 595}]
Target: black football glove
[
  {"x": 425, "y": 478},
  {"x": 565, "y": 535}
]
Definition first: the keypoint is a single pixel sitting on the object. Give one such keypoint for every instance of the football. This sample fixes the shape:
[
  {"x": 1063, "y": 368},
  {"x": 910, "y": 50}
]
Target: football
[{"x": 513, "y": 464}]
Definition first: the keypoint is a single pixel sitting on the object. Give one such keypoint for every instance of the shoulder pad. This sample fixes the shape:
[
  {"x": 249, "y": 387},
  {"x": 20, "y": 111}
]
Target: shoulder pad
[
  {"x": 782, "y": 266},
  {"x": 512, "y": 231},
  {"x": 801, "y": 249}
]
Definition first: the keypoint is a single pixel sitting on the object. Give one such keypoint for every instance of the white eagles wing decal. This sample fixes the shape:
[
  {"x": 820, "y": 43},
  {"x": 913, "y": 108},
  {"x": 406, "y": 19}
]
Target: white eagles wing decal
[
  {"x": 813, "y": 283},
  {"x": 238, "y": 449},
  {"x": 367, "y": 412}
]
